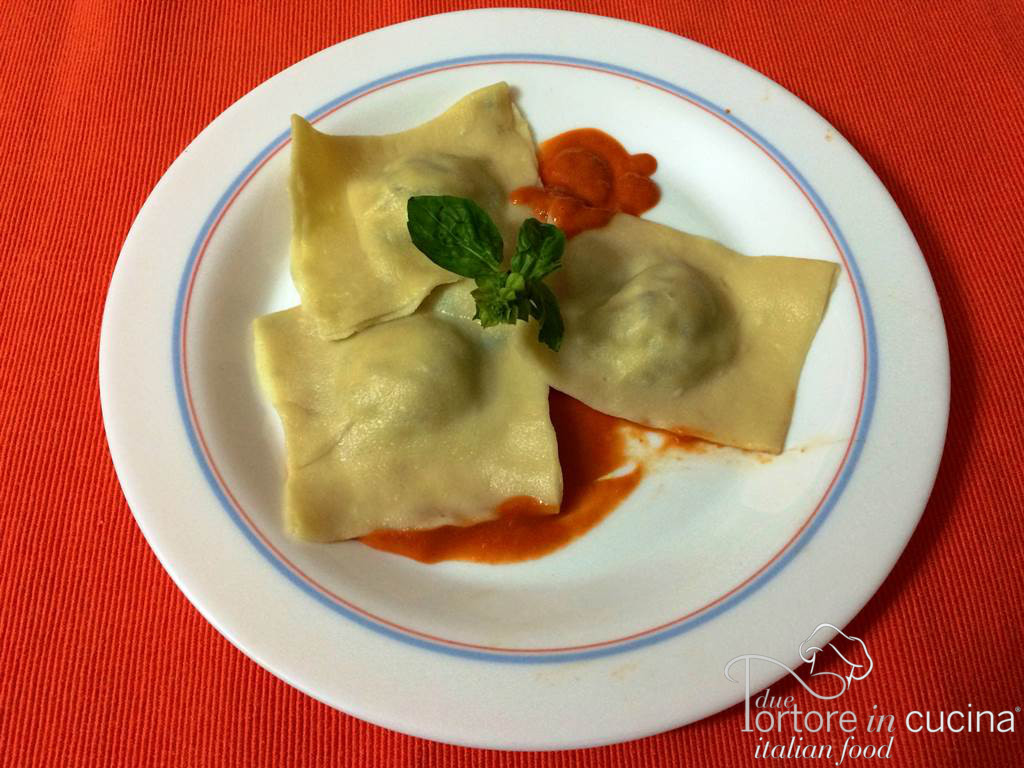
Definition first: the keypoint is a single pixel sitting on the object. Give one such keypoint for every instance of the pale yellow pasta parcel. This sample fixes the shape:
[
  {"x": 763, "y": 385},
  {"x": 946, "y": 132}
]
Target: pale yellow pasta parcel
[
  {"x": 422, "y": 421},
  {"x": 351, "y": 259},
  {"x": 677, "y": 331}
]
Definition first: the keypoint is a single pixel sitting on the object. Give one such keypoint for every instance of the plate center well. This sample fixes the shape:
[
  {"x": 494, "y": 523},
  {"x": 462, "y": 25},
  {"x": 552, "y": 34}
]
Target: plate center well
[{"x": 696, "y": 531}]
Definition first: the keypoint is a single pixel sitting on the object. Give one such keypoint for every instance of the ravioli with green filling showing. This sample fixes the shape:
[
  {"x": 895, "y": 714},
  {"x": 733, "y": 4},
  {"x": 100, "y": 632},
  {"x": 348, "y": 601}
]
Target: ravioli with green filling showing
[
  {"x": 351, "y": 257},
  {"x": 381, "y": 427},
  {"x": 676, "y": 331}
]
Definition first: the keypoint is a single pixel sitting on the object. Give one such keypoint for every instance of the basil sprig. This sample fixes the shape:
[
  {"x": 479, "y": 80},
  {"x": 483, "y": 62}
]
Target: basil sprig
[{"x": 457, "y": 234}]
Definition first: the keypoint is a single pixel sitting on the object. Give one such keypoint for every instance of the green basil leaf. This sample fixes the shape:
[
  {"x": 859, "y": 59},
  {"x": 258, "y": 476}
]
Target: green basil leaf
[
  {"x": 539, "y": 249},
  {"x": 455, "y": 233},
  {"x": 458, "y": 235},
  {"x": 545, "y": 309}
]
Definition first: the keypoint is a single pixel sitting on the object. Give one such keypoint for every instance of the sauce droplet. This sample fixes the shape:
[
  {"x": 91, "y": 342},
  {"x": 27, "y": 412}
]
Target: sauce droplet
[{"x": 587, "y": 178}]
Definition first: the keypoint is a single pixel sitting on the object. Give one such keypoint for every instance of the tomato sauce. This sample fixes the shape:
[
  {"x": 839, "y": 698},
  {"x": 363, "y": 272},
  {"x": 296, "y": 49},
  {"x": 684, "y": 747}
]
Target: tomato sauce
[{"x": 588, "y": 177}]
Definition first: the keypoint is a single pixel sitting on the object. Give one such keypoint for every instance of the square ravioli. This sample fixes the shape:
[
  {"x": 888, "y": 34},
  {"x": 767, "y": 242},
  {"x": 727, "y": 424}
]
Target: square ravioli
[
  {"x": 676, "y": 331},
  {"x": 351, "y": 257},
  {"x": 419, "y": 422}
]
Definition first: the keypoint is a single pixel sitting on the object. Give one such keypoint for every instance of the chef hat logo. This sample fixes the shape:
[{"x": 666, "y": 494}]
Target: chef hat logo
[{"x": 853, "y": 652}]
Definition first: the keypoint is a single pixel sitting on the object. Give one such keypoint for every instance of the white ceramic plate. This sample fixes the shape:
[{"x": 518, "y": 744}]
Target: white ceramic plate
[{"x": 625, "y": 632}]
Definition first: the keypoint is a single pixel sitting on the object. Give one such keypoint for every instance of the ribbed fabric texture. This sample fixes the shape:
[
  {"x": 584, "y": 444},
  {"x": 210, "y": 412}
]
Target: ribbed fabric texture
[{"x": 103, "y": 662}]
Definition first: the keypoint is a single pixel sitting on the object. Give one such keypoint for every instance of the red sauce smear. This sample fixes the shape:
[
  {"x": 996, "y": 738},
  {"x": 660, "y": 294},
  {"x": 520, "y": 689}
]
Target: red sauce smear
[
  {"x": 588, "y": 177},
  {"x": 590, "y": 446}
]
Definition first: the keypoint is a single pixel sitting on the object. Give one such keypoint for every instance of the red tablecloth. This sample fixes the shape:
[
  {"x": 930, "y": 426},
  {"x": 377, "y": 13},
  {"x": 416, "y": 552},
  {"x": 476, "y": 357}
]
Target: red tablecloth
[{"x": 104, "y": 662}]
